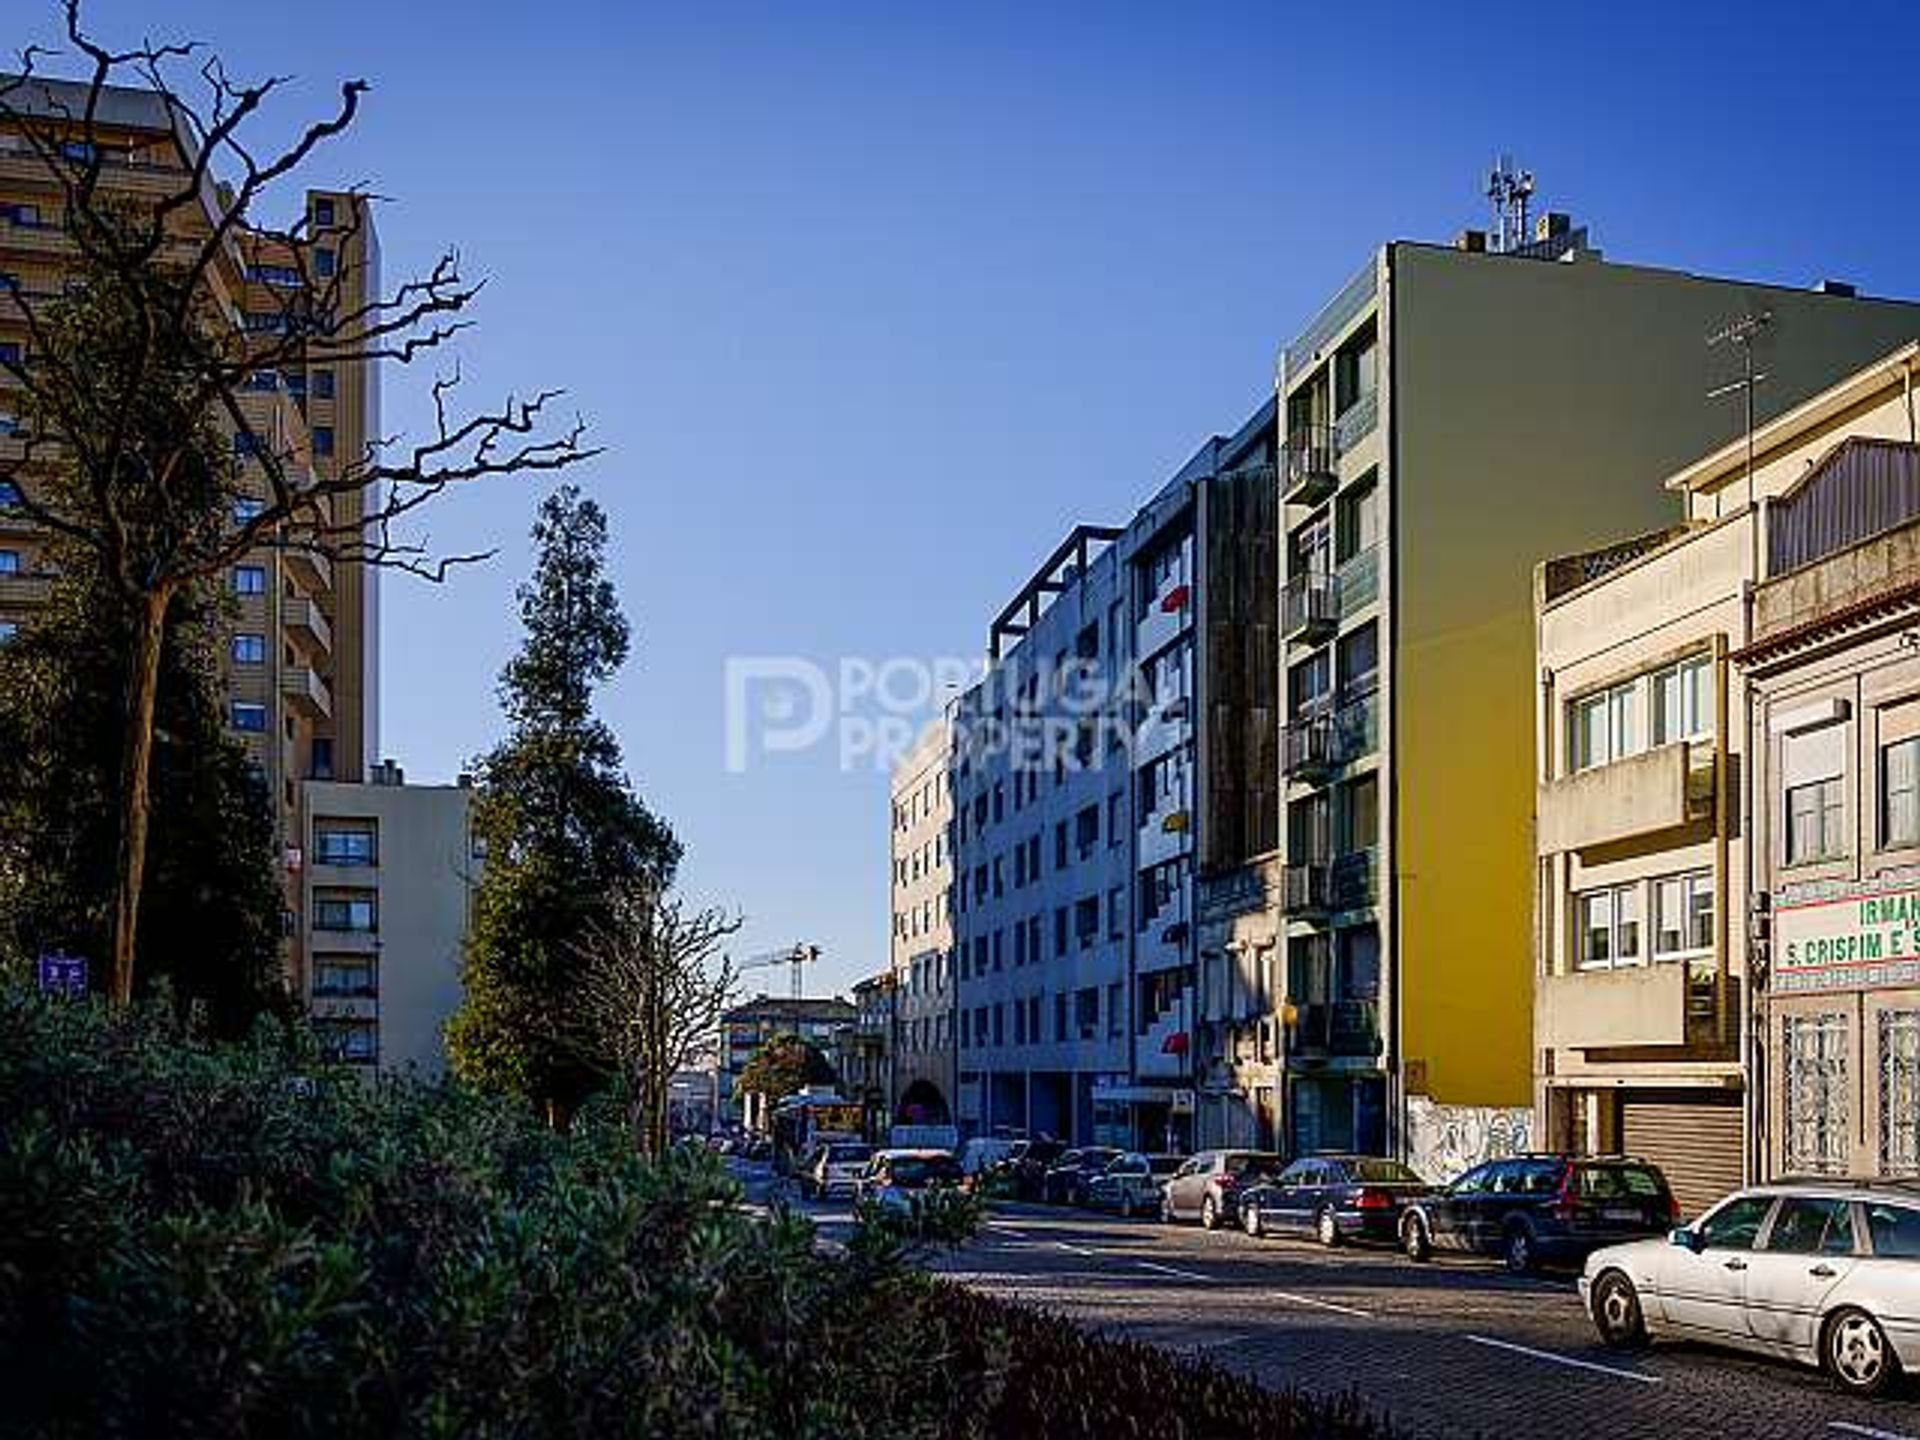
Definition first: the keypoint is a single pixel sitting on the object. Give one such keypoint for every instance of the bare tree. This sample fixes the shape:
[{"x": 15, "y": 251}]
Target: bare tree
[
  {"x": 651, "y": 997},
  {"x": 135, "y": 441}
]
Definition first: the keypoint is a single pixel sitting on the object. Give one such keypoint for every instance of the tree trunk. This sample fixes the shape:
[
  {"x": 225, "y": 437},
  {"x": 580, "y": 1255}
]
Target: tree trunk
[{"x": 143, "y": 685}]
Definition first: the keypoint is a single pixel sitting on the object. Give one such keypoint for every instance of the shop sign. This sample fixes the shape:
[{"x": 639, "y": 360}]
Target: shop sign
[{"x": 1862, "y": 940}]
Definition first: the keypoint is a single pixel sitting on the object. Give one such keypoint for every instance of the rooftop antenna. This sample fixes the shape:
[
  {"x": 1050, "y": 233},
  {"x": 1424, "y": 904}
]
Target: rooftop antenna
[
  {"x": 1509, "y": 191},
  {"x": 1741, "y": 333}
]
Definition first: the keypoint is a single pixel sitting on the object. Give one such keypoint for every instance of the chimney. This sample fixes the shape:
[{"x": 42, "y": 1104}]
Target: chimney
[{"x": 1474, "y": 242}]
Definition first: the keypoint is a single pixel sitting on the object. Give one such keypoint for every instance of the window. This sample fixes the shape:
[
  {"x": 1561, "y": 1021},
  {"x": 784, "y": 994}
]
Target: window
[
  {"x": 322, "y": 381},
  {"x": 9, "y": 495},
  {"x": 1807, "y": 1226},
  {"x": 1736, "y": 1224},
  {"x": 249, "y": 580},
  {"x": 1114, "y": 1016},
  {"x": 1900, "y": 793},
  {"x": 1683, "y": 701},
  {"x": 1900, "y": 1092},
  {"x": 249, "y": 717},
  {"x": 1359, "y": 659},
  {"x": 1608, "y": 926},
  {"x": 249, "y": 649},
  {"x": 1359, "y": 814},
  {"x": 1086, "y": 920},
  {"x": 349, "y": 1041},
  {"x": 323, "y": 445},
  {"x": 1894, "y": 1230},
  {"x": 350, "y": 975},
  {"x": 323, "y": 212},
  {"x": 1086, "y": 1011},
  {"x": 345, "y": 910},
  {"x": 1308, "y": 685},
  {"x": 344, "y": 844},
  {"x": 10, "y": 352},
  {"x": 9, "y": 562},
  {"x": 8, "y": 629},
  {"x": 1115, "y": 819},
  {"x": 1358, "y": 519},
  {"x": 1605, "y": 726},
  {"x": 1814, "y": 1068},
  {"x": 1682, "y": 914},
  {"x": 1117, "y": 912},
  {"x": 1354, "y": 372},
  {"x": 247, "y": 507},
  {"x": 1815, "y": 765},
  {"x": 323, "y": 260}
]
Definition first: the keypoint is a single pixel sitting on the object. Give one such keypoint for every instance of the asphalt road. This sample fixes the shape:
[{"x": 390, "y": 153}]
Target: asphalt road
[{"x": 1452, "y": 1348}]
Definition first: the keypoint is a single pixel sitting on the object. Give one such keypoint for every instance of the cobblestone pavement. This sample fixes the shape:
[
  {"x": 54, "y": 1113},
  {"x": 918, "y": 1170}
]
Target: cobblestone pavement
[{"x": 1454, "y": 1348}]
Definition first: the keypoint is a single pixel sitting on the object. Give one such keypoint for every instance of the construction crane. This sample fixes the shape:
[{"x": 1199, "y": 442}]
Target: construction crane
[{"x": 798, "y": 955}]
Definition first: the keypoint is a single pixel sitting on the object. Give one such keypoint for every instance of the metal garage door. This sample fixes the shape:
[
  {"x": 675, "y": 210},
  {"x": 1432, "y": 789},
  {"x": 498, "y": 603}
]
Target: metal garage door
[{"x": 1693, "y": 1137}]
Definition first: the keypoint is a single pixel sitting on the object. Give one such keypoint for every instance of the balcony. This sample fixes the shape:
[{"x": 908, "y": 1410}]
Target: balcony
[
  {"x": 1657, "y": 790},
  {"x": 312, "y": 569},
  {"x": 1312, "y": 465},
  {"x": 1358, "y": 420},
  {"x": 1310, "y": 607},
  {"x": 1335, "y": 1029},
  {"x": 307, "y": 624},
  {"x": 1351, "y": 881},
  {"x": 1600, "y": 1009},
  {"x": 23, "y": 591},
  {"x": 1311, "y": 749},
  {"x": 1308, "y": 889},
  {"x": 306, "y": 692}
]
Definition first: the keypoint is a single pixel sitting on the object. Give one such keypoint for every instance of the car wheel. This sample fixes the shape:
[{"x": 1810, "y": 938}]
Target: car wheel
[
  {"x": 1518, "y": 1250},
  {"x": 1616, "y": 1312},
  {"x": 1327, "y": 1227},
  {"x": 1250, "y": 1221},
  {"x": 1414, "y": 1240},
  {"x": 1209, "y": 1214},
  {"x": 1856, "y": 1353}
]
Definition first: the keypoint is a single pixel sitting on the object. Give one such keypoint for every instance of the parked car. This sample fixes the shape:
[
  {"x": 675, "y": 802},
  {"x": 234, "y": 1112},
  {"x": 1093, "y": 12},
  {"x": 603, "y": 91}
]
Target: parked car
[
  {"x": 1066, "y": 1179},
  {"x": 1334, "y": 1197},
  {"x": 1539, "y": 1208},
  {"x": 1207, "y": 1187},
  {"x": 1132, "y": 1183},
  {"x": 835, "y": 1166},
  {"x": 981, "y": 1153},
  {"x": 1024, "y": 1171},
  {"x": 1823, "y": 1272},
  {"x": 895, "y": 1179}
]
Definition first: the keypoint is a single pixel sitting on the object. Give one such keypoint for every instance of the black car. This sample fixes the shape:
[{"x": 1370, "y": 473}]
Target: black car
[
  {"x": 1067, "y": 1178},
  {"x": 1336, "y": 1197},
  {"x": 1535, "y": 1209},
  {"x": 1024, "y": 1172}
]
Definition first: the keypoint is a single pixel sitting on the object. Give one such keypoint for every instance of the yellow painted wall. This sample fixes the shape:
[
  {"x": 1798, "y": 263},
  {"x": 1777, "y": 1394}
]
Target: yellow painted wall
[{"x": 1538, "y": 408}]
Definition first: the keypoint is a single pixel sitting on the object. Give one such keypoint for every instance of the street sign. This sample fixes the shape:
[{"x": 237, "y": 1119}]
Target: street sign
[{"x": 62, "y": 974}]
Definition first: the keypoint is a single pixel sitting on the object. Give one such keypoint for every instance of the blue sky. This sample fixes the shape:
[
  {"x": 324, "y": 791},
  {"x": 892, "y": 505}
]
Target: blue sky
[{"x": 870, "y": 302}]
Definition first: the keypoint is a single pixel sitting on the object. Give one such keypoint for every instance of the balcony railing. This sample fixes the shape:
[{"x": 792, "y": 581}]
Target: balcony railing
[
  {"x": 1312, "y": 465},
  {"x": 1337, "y": 1028},
  {"x": 1311, "y": 748},
  {"x": 1351, "y": 881},
  {"x": 1308, "y": 888},
  {"x": 1310, "y": 609},
  {"x": 1359, "y": 580},
  {"x": 1358, "y": 420}
]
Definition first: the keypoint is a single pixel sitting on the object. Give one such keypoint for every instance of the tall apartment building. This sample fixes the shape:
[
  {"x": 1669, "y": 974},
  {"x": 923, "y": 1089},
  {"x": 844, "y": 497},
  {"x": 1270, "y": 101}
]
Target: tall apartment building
[
  {"x": 386, "y": 872},
  {"x": 303, "y": 660},
  {"x": 1121, "y": 744},
  {"x": 1724, "y": 713},
  {"x": 921, "y": 1082},
  {"x": 1451, "y": 415}
]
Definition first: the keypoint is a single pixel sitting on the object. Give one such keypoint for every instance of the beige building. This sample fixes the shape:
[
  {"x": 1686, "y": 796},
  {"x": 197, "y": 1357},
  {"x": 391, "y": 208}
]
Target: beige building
[
  {"x": 303, "y": 654},
  {"x": 1654, "y": 801},
  {"x": 921, "y": 1083},
  {"x": 386, "y": 872}
]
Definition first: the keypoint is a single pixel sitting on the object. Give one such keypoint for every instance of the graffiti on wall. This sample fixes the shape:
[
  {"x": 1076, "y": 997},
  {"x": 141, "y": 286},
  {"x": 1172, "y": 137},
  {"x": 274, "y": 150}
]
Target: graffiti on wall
[{"x": 1445, "y": 1140}]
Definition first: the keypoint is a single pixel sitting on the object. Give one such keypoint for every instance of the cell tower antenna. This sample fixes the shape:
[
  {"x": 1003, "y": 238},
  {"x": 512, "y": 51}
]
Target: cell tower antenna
[{"x": 1510, "y": 193}]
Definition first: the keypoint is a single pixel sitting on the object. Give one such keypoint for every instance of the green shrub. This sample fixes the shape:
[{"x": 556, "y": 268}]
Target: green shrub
[{"x": 237, "y": 1241}]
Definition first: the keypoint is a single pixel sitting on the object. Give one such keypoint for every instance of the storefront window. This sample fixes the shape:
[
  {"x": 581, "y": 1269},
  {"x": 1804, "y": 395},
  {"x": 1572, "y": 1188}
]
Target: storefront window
[
  {"x": 1900, "y": 1092},
  {"x": 1815, "y": 1072}
]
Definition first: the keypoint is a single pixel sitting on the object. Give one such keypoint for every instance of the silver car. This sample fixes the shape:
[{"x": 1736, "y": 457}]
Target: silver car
[
  {"x": 1825, "y": 1272},
  {"x": 1131, "y": 1184}
]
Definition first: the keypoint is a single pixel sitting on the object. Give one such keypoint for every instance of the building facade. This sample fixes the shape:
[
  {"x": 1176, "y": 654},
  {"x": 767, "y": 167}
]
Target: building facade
[
  {"x": 748, "y": 1026},
  {"x": 863, "y": 1052},
  {"x": 387, "y": 872},
  {"x": 921, "y": 1080},
  {"x": 1449, "y": 416}
]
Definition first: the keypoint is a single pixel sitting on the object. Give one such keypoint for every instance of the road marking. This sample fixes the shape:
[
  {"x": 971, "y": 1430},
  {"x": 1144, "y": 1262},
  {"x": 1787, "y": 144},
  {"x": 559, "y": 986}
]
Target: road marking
[
  {"x": 1007, "y": 1229},
  {"x": 1320, "y": 1304},
  {"x": 1218, "y": 1343},
  {"x": 1850, "y": 1428},
  {"x": 1548, "y": 1355},
  {"x": 1075, "y": 1249},
  {"x": 1177, "y": 1274}
]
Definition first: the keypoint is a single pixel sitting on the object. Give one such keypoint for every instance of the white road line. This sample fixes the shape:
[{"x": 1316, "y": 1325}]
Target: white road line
[
  {"x": 1075, "y": 1249},
  {"x": 1549, "y": 1356},
  {"x": 1177, "y": 1274},
  {"x": 1320, "y": 1304},
  {"x": 1849, "y": 1428}
]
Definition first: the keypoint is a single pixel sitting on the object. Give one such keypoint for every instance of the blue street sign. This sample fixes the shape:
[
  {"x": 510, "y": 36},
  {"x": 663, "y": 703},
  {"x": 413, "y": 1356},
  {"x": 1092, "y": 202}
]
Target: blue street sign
[{"x": 63, "y": 974}]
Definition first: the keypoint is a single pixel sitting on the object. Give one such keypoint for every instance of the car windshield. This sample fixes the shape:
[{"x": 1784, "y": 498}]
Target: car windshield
[
  {"x": 916, "y": 1170},
  {"x": 1384, "y": 1172},
  {"x": 848, "y": 1154},
  {"x": 1620, "y": 1182}
]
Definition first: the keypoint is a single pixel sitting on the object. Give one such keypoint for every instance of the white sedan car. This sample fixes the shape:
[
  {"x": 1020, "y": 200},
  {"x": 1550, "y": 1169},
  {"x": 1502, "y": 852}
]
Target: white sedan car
[{"x": 1823, "y": 1272}]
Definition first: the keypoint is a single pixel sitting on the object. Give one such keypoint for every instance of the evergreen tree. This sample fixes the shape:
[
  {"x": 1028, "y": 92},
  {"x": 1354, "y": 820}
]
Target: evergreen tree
[
  {"x": 563, "y": 831},
  {"x": 210, "y": 919}
]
